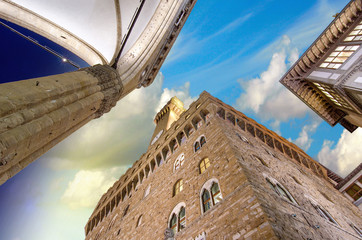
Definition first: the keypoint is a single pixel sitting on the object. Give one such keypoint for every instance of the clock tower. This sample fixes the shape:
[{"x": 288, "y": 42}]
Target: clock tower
[{"x": 166, "y": 116}]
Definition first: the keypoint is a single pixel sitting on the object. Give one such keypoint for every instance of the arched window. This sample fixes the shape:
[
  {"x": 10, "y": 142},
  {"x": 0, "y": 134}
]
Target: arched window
[
  {"x": 356, "y": 229},
  {"x": 202, "y": 141},
  {"x": 178, "y": 187},
  {"x": 197, "y": 146},
  {"x": 199, "y": 143},
  {"x": 125, "y": 211},
  {"x": 324, "y": 214},
  {"x": 260, "y": 160},
  {"x": 177, "y": 219},
  {"x": 210, "y": 194},
  {"x": 206, "y": 201},
  {"x": 215, "y": 192},
  {"x": 173, "y": 223},
  {"x": 221, "y": 113},
  {"x": 283, "y": 193},
  {"x": 270, "y": 184},
  {"x": 182, "y": 219},
  {"x": 242, "y": 138},
  {"x": 179, "y": 161},
  {"x": 139, "y": 221},
  {"x": 280, "y": 190},
  {"x": 147, "y": 191},
  {"x": 204, "y": 164}
]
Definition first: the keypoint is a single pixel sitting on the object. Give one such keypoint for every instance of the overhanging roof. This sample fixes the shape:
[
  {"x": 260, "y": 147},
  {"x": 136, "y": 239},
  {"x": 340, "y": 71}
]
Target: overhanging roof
[{"x": 295, "y": 78}]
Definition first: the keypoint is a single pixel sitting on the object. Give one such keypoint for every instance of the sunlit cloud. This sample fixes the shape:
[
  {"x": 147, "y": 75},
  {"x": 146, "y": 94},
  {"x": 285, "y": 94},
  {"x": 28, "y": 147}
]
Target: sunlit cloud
[
  {"x": 345, "y": 155},
  {"x": 183, "y": 93},
  {"x": 265, "y": 96},
  {"x": 101, "y": 154},
  {"x": 304, "y": 139},
  {"x": 119, "y": 137},
  {"x": 88, "y": 186}
]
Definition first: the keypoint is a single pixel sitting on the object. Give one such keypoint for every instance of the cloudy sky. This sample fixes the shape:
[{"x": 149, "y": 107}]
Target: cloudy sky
[{"x": 237, "y": 51}]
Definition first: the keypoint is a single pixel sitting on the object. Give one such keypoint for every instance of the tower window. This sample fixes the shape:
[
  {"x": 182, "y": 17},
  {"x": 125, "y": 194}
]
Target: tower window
[
  {"x": 206, "y": 200},
  {"x": 125, "y": 211},
  {"x": 179, "y": 161},
  {"x": 181, "y": 137},
  {"x": 204, "y": 164},
  {"x": 242, "y": 138},
  {"x": 210, "y": 195},
  {"x": 260, "y": 160},
  {"x": 356, "y": 229},
  {"x": 324, "y": 214},
  {"x": 216, "y": 194},
  {"x": 147, "y": 191},
  {"x": 202, "y": 141},
  {"x": 178, "y": 187},
  {"x": 182, "y": 219},
  {"x": 139, "y": 221},
  {"x": 280, "y": 190},
  {"x": 197, "y": 146},
  {"x": 199, "y": 143},
  {"x": 177, "y": 220},
  {"x": 221, "y": 113},
  {"x": 173, "y": 223}
]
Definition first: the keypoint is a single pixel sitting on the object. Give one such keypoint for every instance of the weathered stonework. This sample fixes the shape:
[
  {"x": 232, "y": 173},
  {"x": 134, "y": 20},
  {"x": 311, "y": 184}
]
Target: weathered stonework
[
  {"x": 242, "y": 155},
  {"x": 38, "y": 113}
]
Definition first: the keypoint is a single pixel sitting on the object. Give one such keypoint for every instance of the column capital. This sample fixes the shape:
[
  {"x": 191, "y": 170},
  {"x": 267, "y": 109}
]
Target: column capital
[{"x": 110, "y": 84}]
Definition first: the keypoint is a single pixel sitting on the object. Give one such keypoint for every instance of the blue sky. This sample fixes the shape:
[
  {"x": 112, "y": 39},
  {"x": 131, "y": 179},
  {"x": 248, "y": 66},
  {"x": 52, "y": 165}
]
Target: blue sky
[{"x": 237, "y": 51}]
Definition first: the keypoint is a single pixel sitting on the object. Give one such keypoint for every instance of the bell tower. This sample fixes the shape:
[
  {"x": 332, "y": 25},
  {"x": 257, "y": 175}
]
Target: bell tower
[{"x": 166, "y": 116}]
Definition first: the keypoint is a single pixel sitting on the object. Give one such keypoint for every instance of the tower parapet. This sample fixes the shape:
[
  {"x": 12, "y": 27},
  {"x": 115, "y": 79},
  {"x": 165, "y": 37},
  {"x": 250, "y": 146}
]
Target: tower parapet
[{"x": 169, "y": 114}]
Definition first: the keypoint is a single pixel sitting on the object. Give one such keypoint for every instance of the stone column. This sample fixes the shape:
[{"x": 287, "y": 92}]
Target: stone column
[{"x": 38, "y": 113}]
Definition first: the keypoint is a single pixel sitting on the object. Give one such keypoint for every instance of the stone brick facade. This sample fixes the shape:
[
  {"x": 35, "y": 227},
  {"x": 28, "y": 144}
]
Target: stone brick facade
[{"x": 269, "y": 188}]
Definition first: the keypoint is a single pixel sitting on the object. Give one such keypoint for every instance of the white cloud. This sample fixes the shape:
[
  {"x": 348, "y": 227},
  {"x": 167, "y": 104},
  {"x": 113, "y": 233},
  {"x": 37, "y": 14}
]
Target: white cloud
[
  {"x": 119, "y": 137},
  {"x": 265, "y": 96},
  {"x": 183, "y": 93},
  {"x": 345, "y": 156},
  {"x": 87, "y": 187},
  {"x": 304, "y": 139}
]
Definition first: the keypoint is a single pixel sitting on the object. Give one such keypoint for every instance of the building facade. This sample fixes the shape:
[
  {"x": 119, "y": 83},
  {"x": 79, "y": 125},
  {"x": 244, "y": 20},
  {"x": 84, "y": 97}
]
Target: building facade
[
  {"x": 328, "y": 76},
  {"x": 210, "y": 172}
]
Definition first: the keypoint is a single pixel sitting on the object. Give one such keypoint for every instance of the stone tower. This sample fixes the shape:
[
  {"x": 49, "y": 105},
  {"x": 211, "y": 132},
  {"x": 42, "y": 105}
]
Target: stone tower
[
  {"x": 166, "y": 116},
  {"x": 214, "y": 173}
]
